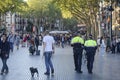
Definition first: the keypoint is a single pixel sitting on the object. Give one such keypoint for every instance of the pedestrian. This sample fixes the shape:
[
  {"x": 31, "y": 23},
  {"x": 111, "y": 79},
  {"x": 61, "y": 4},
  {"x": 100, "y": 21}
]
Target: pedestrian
[
  {"x": 40, "y": 39},
  {"x": 48, "y": 50},
  {"x": 62, "y": 40},
  {"x": 90, "y": 48},
  {"x": 118, "y": 44},
  {"x": 37, "y": 42},
  {"x": 32, "y": 45},
  {"x": 113, "y": 45},
  {"x": 4, "y": 54},
  {"x": 11, "y": 39},
  {"x": 24, "y": 40},
  {"x": 108, "y": 44},
  {"x": 77, "y": 44},
  {"x": 28, "y": 39},
  {"x": 17, "y": 41},
  {"x": 102, "y": 46}
]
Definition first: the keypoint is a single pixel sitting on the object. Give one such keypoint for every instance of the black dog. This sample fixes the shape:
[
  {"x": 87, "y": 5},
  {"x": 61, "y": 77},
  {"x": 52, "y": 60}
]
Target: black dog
[{"x": 33, "y": 71}]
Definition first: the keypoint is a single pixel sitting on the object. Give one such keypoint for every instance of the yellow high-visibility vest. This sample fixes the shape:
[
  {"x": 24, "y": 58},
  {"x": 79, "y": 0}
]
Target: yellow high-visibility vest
[
  {"x": 77, "y": 39},
  {"x": 90, "y": 43}
]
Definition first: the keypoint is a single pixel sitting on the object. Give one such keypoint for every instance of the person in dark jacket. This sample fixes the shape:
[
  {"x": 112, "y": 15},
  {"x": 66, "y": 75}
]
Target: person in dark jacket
[
  {"x": 90, "y": 47},
  {"x": 77, "y": 44},
  {"x": 37, "y": 42},
  {"x": 32, "y": 45},
  {"x": 4, "y": 54}
]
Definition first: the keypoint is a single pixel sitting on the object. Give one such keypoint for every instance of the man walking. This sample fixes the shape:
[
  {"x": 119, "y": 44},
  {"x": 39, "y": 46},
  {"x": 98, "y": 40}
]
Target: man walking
[
  {"x": 90, "y": 47},
  {"x": 48, "y": 50},
  {"x": 77, "y": 44}
]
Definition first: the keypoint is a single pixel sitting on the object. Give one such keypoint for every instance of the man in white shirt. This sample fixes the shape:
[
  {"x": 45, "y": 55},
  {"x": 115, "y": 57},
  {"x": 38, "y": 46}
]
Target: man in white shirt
[{"x": 48, "y": 50}]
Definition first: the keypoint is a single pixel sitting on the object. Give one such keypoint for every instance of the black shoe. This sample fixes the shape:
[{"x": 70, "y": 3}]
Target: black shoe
[
  {"x": 79, "y": 72},
  {"x": 52, "y": 71},
  {"x": 75, "y": 69},
  {"x": 90, "y": 72},
  {"x": 46, "y": 73},
  {"x": 1, "y": 73}
]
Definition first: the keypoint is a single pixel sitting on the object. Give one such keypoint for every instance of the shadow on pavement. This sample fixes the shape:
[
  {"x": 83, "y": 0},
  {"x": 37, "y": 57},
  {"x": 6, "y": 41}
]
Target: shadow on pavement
[{"x": 3, "y": 77}]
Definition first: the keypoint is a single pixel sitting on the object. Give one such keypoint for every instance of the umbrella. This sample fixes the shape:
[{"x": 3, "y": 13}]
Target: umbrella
[{"x": 58, "y": 32}]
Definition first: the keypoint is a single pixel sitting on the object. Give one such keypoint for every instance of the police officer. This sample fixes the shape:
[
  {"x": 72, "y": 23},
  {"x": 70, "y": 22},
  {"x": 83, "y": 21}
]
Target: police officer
[
  {"x": 90, "y": 47},
  {"x": 77, "y": 43}
]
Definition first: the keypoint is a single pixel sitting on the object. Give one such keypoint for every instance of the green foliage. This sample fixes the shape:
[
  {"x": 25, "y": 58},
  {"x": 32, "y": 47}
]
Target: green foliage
[
  {"x": 78, "y": 8},
  {"x": 38, "y": 7},
  {"x": 41, "y": 8},
  {"x": 85, "y": 11},
  {"x": 69, "y": 23},
  {"x": 11, "y": 5}
]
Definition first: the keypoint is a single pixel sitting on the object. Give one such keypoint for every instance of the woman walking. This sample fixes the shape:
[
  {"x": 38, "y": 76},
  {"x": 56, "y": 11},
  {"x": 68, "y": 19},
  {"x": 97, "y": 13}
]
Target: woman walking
[
  {"x": 5, "y": 49},
  {"x": 102, "y": 46}
]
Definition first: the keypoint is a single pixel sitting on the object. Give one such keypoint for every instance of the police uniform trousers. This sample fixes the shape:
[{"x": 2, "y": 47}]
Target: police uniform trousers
[
  {"x": 90, "y": 60},
  {"x": 77, "y": 58}
]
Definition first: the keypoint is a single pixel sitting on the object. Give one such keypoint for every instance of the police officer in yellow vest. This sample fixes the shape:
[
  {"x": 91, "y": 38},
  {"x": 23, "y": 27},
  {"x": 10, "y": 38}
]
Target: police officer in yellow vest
[
  {"x": 77, "y": 43},
  {"x": 90, "y": 48}
]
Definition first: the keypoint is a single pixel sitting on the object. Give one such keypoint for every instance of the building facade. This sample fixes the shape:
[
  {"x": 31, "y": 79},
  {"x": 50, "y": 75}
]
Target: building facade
[{"x": 15, "y": 22}]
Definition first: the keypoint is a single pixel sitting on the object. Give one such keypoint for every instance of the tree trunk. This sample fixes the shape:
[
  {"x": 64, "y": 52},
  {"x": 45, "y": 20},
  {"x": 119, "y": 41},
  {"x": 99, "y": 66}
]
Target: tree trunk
[
  {"x": 0, "y": 19},
  {"x": 96, "y": 27}
]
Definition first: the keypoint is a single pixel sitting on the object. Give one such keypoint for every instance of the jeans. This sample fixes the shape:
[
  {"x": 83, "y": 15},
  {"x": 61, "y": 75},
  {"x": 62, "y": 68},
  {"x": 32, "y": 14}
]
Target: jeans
[
  {"x": 4, "y": 67},
  {"x": 48, "y": 61}
]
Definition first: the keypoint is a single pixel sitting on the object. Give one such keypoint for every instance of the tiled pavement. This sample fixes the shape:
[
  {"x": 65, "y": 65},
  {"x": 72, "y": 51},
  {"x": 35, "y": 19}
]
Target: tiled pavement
[{"x": 105, "y": 67}]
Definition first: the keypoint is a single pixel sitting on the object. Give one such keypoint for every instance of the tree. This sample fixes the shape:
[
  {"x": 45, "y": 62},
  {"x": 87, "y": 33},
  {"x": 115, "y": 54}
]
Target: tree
[
  {"x": 85, "y": 11},
  {"x": 11, "y": 6},
  {"x": 70, "y": 24},
  {"x": 43, "y": 12}
]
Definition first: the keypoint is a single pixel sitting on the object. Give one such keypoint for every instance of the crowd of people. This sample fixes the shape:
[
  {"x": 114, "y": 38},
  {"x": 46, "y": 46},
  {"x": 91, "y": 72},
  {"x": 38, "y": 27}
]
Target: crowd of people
[
  {"x": 50, "y": 41},
  {"x": 9, "y": 42},
  {"x": 107, "y": 46}
]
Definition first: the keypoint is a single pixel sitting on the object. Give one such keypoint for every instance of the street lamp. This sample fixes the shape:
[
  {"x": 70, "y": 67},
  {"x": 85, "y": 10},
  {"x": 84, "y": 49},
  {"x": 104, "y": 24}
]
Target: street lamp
[{"x": 110, "y": 29}]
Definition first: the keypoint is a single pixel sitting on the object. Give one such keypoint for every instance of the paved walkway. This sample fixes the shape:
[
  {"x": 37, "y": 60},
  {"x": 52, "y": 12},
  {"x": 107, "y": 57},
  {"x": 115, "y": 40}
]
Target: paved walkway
[{"x": 105, "y": 67}]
